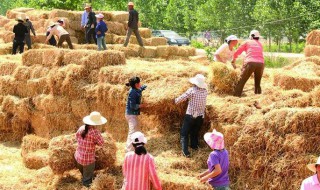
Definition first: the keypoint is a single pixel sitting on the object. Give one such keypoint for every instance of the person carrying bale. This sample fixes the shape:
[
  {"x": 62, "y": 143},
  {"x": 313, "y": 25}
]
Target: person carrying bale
[
  {"x": 193, "y": 120},
  {"x": 133, "y": 25},
  {"x": 218, "y": 162},
  {"x": 52, "y": 40},
  {"x": 20, "y": 31},
  {"x": 139, "y": 167},
  {"x": 101, "y": 30},
  {"x": 63, "y": 35},
  {"x": 253, "y": 63},
  {"x": 225, "y": 51},
  {"x": 312, "y": 182},
  {"x": 133, "y": 107},
  {"x": 29, "y": 26},
  {"x": 88, "y": 136},
  {"x": 90, "y": 25}
]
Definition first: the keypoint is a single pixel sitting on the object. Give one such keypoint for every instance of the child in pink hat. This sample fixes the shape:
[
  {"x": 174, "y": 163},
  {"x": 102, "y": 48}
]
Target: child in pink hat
[{"x": 218, "y": 162}]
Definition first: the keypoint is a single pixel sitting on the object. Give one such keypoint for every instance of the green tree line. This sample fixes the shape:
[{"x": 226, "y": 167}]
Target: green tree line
[{"x": 274, "y": 18}]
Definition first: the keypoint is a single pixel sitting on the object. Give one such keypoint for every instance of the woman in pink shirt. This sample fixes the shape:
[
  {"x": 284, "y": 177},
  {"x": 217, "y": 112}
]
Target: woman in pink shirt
[
  {"x": 312, "y": 182},
  {"x": 253, "y": 63},
  {"x": 138, "y": 167}
]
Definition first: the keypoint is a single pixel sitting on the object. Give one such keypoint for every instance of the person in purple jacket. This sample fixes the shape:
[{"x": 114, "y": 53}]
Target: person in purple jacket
[
  {"x": 218, "y": 163},
  {"x": 101, "y": 30}
]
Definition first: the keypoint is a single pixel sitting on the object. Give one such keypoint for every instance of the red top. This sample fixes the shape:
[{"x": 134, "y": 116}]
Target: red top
[
  {"x": 254, "y": 51},
  {"x": 85, "y": 153}
]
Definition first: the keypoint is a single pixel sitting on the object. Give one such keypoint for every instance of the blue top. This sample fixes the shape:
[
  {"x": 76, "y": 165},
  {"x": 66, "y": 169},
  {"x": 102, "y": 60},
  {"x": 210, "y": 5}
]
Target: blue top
[
  {"x": 133, "y": 102},
  {"x": 84, "y": 18},
  {"x": 102, "y": 27},
  {"x": 219, "y": 157}
]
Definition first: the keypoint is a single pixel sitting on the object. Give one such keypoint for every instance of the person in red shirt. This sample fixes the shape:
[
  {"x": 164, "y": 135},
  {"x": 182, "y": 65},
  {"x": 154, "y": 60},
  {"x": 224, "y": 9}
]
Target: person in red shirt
[{"x": 88, "y": 136}]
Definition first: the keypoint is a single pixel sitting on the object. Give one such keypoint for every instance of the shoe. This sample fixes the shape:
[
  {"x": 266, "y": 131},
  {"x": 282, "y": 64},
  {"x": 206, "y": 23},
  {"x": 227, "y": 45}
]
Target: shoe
[{"x": 186, "y": 155}]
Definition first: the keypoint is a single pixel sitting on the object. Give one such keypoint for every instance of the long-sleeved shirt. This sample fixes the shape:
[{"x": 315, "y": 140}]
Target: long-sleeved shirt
[
  {"x": 197, "y": 101},
  {"x": 133, "y": 102},
  {"x": 133, "y": 19},
  {"x": 85, "y": 153},
  {"x": 58, "y": 31},
  {"x": 102, "y": 27},
  {"x": 254, "y": 52},
  {"x": 138, "y": 171},
  {"x": 224, "y": 53},
  {"x": 91, "y": 21},
  {"x": 30, "y": 27},
  {"x": 84, "y": 19},
  {"x": 20, "y": 31},
  {"x": 311, "y": 183}
]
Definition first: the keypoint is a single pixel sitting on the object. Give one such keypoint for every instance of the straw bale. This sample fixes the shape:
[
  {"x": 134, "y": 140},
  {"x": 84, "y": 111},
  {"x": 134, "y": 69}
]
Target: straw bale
[
  {"x": 176, "y": 181},
  {"x": 116, "y": 28},
  {"x": 313, "y": 38},
  {"x": 186, "y": 51},
  {"x": 315, "y": 96},
  {"x": 6, "y": 48},
  {"x": 36, "y": 160},
  {"x": 12, "y": 14},
  {"x": 7, "y": 67},
  {"x": 22, "y": 9},
  {"x": 133, "y": 40},
  {"x": 4, "y": 21},
  {"x": 74, "y": 40},
  {"x": 59, "y": 13},
  {"x": 16, "y": 106},
  {"x": 39, "y": 23},
  {"x": 106, "y": 154},
  {"x": 74, "y": 57},
  {"x": 8, "y": 38},
  {"x": 84, "y": 47},
  {"x": 145, "y": 32},
  {"x": 7, "y": 84},
  {"x": 231, "y": 134},
  {"x": 9, "y": 26},
  {"x": 52, "y": 104},
  {"x": 314, "y": 59},
  {"x": 312, "y": 50},
  {"x": 223, "y": 78},
  {"x": 80, "y": 108},
  {"x": 4, "y": 121},
  {"x": 129, "y": 51},
  {"x": 40, "y": 57},
  {"x": 22, "y": 73},
  {"x": 37, "y": 86},
  {"x": 32, "y": 143},
  {"x": 103, "y": 181},
  {"x": 157, "y": 41},
  {"x": 148, "y": 52},
  {"x": 163, "y": 51},
  {"x": 75, "y": 26},
  {"x": 36, "y": 15},
  {"x": 109, "y": 38},
  {"x": 98, "y": 59},
  {"x": 19, "y": 128},
  {"x": 42, "y": 46},
  {"x": 40, "y": 38},
  {"x": 38, "y": 71},
  {"x": 119, "y": 16},
  {"x": 107, "y": 15},
  {"x": 119, "y": 39}
]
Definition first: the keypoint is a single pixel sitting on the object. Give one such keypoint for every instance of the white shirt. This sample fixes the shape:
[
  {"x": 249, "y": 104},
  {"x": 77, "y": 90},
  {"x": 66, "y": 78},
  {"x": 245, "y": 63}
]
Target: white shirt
[
  {"x": 58, "y": 31},
  {"x": 224, "y": 53},
  {"x": 311, "y": 183}
]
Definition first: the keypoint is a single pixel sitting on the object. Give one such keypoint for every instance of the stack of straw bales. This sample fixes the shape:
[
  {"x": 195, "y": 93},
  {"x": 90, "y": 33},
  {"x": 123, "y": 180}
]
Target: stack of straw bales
[{"x": 313, "y": 44}]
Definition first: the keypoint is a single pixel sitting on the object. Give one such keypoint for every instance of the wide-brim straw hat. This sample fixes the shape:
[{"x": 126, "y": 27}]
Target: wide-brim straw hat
[
  {"x": 130, "y": 4},
  {"x": 21, "y": 17},
  {"x": 215, "y": 140},
  {"x": 87, "y": 6},
  {"x": 94, "y": 119},
  {"x": 199, "y": 81},
  {"x": 138, "y": 137},
  {"x": 99, "y": 15},
  {"x": 312, "y": 167}
]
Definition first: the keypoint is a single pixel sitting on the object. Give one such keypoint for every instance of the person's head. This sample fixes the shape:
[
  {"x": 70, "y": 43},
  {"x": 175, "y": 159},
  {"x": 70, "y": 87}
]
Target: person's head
[
  {"x": 254, "y": 35},
  {"x": 199, "y": 80},
  {"x": 215, "y": 140},
  {"x": 93, "y": 120},
  {"x": 315, "y": 167},
  {"x": 232, "y": 40},
  {"x": 27, "y": 18},
  {"x": 134, "y": 82},
  {"x": 138, "y": 141},
  {"x": 88, "y": 7},
  {"x": 99, "y": 17},
  {"x": 130, "y": 5}
]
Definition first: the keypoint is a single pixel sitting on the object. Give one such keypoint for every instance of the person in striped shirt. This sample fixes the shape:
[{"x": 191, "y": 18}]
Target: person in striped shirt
[
  {"x": 139, "y": 167},
  {"x": 193, "y": 120},
  {"x": 88, "y": 136}
]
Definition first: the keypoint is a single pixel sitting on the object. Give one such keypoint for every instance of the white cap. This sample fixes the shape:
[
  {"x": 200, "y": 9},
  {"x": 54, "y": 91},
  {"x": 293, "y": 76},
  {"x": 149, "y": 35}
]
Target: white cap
[
  {"x": 138, "y": 137},
  {"x": 256, "y": 34},
  {"x": 232, "y": 37},
  {"x": 99, "y": 15}
]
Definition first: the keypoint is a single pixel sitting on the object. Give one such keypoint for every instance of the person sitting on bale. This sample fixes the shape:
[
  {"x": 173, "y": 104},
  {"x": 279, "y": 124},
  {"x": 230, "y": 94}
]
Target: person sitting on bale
[
  {"x": 139, "y": 167},
  {"x": 312, "y": 182},
  {"x": 58, "y": 30},
  {"x": 88, "y": 136},
  {"x": 218, "y": 162},
  {"x": 193, "y": 120},
  {"x": 253, "y": 63},
  {"x": 226, "y": 51},
  {"x": 133, "y": 107}
]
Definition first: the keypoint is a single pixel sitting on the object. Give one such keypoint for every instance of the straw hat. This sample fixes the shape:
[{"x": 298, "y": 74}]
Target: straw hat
[
  {"x": 21, "y": 17},
  {"x": 99, "y": 15},
  {"x": 215, "y": 140},
  {"x": 138, "y": 137},
  {"x": 87, "y": 6},
  {"x": 312, "y": 167},
  {"x": 199, "y": 81},
  {"x": 130, "y": 4},
  {"x": 94, "y": 119}
]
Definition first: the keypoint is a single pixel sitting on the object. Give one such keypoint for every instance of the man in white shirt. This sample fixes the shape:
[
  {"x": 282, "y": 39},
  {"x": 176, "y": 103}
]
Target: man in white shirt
[{"x": 61, "y": 33}]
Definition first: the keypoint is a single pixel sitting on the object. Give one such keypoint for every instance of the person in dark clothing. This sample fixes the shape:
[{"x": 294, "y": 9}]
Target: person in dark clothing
[
  {"x": 29, "y": 26},
  {"x": 91, "y": 25},
  {"x": 20, "y": 31},
  {"x": 52, "y": 40},
  {"x": 133, "y": 25}
]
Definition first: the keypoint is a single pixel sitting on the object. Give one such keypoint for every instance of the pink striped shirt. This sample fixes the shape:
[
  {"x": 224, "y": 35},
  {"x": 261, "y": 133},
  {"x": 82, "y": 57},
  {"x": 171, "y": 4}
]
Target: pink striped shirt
[
  {"x": 254, "y": 51},
  {"x": 139, "y": 171}
]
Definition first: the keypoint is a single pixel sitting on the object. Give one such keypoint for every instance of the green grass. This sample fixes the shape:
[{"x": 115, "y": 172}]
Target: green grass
[
  {"x": 285, "y": 48},
  {"x": 275, "y": 62}
]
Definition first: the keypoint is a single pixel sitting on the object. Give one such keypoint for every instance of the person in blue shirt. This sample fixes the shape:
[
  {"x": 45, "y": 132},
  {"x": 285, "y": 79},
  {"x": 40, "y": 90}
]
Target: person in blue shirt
[
  {"x": 101, "y": 30},
  {"x": 133, "y": 107}
]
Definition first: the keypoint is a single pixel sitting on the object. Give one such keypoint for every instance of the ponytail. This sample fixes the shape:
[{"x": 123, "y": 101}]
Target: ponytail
[
  {"x": 139, "y": 149},
  {"x": 85, "y": 132}
]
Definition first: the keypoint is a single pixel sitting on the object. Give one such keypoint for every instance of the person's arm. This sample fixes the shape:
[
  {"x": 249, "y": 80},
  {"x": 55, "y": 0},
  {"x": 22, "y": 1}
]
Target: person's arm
[
  {"x": 184, "y": 96},
  {"x": 98, "y": 29},
  {"x": 83, "y": 20},
  {"x": 203, "y": 174},
  {"x": 217, "y": 171},
  {"x": 153, "y": 175},
  {"x": 32, "y": 29},
  {"x": 26, "y": 30},
  {"x": 241, "y": 49},
  {"x": 98, "y": 138},
  {"x": 130, "y": 18},
  {"x": 51, "y": 33},
  {"x": 14, "y": 29}
]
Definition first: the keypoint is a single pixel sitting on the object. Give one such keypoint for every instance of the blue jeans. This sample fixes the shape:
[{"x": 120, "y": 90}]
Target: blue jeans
[
  {"x": 222, "y": 188},
  {"x": 101, "y": 43},
  {"x": 191, "y": 127}
]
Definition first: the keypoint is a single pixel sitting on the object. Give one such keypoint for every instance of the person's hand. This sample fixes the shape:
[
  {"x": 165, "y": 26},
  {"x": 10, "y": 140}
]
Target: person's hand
[
  {"x": 143, "y": 87},
  {"x": 203, "y": 180},
  {"x": 46, "y": 42},
  {"x": 143, "y": 106},
  {"x": 98, "y": 32}
]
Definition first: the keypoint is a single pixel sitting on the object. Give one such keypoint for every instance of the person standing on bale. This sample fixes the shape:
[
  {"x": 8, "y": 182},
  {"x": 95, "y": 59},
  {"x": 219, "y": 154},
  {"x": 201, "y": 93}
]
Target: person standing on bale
[
  {"x": 253, "y": 63},
  {"x": 90, "y": 25},
  {"x": 84, "y": 18},
  {"x": 312, "y": 182},
  {"x": 226, "y": 51},
  {"x": 218, "y": 163},
  {"x": 20, "y": 31},
  {"x": 133, "y": 25},
  {"x": 193, "y": 120},
  {"x": 139, "y": 167},
  {"x": 101, "y": 30},
  {"x": 63, "y": 35},
  {"x": 133, "y": 107},
  {"x": 29, "y": 26},
  {"x": 88, "y": 136}
]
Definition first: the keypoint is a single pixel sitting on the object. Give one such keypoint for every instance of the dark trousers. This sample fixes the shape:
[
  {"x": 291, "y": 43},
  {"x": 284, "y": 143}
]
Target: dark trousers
[
  {"x": 87, "y": 173},
  {"x": 65, "y": 37},
  {"x": 28, "y": 40},
  {"x": 136, "y": 32},
  {"x": 90, "y": 33},
  {"x": 15, "y": 46},
  {"x": 191, "y": 127},
  {"x": 247, "y": 70}
]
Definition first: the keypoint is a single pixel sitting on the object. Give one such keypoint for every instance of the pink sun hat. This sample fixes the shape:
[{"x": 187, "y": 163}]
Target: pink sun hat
[{"x": 214, "y": 140}]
